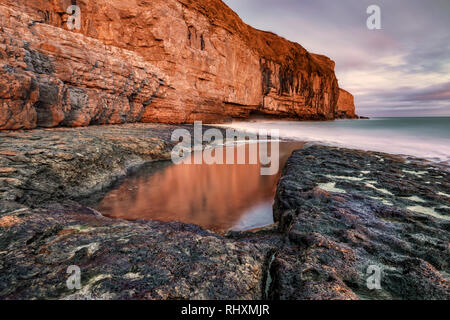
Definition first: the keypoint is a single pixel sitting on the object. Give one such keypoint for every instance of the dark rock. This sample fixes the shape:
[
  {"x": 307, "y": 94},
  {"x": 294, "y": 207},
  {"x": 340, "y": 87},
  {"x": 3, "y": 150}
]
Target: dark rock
[
  {"x": 345, "y": 210},
  {"x": 123, "y": 260}
]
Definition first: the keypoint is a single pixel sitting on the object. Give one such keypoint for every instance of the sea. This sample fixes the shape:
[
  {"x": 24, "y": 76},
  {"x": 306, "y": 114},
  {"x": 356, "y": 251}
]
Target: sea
[{"x": 426, "y": 137}]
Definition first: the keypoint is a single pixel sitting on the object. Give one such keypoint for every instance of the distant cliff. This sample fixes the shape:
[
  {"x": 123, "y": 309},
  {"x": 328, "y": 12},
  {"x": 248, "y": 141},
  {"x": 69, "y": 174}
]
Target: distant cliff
[
  {"x": 172, "y": 61},
  {"x": 345, "y": 106}
]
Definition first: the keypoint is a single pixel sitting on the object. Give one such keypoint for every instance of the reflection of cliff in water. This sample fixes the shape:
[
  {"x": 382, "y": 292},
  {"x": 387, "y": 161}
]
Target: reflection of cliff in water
[{"x": 216, "y": 197}]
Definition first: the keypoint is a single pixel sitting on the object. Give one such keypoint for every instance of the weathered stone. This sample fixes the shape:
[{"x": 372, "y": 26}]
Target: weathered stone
[
  {"x": 118, "y": 259},
  {"x": 8, "y": 221},
  {"x": 345, "y": 106},
  {"x": 18, "y": 92},
  {"x": 7, "y": 170},
  {"x": 53, "y": 77},
  {"x": 170, "y": 61},
  {"x": 123, "y": 260},
  {"x": 338, "y": 211},
  {"x": 362, "y": 218},
  {"x": 42, "y": 165}
]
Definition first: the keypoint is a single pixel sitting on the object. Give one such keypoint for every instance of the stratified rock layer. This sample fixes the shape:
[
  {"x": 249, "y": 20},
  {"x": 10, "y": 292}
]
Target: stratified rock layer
[
  {"x": 171, "y": 61},
  {"x": 52, "y": 77}
]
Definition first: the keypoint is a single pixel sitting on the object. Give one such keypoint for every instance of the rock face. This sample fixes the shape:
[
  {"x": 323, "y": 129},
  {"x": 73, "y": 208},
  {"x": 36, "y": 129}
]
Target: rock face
[
  {"x": 345, "y": 211},
  {"x": 345, "y": 106},
  {"x": 171, "y": 61},
  {"x": 52, "y": 77},
  {"x": 122, "y": 260}
]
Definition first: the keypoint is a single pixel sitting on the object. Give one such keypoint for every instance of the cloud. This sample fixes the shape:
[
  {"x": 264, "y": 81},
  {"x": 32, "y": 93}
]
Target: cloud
[{"x": 439, "y": 92}]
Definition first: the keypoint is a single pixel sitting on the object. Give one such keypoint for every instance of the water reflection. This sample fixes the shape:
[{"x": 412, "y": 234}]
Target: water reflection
[{"x": 216, "y": 197}]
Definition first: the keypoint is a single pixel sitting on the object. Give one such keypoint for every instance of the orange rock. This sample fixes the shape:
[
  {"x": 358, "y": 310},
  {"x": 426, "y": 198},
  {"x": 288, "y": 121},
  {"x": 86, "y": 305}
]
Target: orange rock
[
  {"x": 346, "y": 105},
  {"x": 51, "y": 77},
  {"x": 8, "y": 153},
  {"x": 7, "y": 170},
  {"x": 8, "y": 221},
  {"x": 172, "y": 61}
]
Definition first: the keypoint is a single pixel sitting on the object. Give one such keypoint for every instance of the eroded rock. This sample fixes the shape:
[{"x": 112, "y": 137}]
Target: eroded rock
[
  {"x": 52, "y": 77},
  {"x": 122, "y": 260},
  {"x": 339, "y": 211},
  {"x": 345, "y": 210},
  {"x": 170, "y": 61},
  {"x": 346, "y": 105}
]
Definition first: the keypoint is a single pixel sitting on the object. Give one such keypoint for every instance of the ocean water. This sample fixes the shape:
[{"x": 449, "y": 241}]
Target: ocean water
[{"x": 427, "y": 138}]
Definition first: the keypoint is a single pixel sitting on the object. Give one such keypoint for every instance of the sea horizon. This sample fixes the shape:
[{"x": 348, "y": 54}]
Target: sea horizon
[{"x": 421, "y": 137}]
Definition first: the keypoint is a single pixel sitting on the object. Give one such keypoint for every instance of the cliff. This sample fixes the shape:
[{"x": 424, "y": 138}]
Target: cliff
[
  {"x": 50, "y": 78},
  {"x": 171, "y": 61},
  {"x": 345, "y": 106}
]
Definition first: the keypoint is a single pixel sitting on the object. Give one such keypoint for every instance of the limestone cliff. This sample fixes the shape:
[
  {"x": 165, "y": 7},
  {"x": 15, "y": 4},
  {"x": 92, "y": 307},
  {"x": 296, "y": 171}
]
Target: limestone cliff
[
  {"x": 170, "y": 61},
  {"x": 51, "y": 78},
  {"x": 345, "y": 106}
]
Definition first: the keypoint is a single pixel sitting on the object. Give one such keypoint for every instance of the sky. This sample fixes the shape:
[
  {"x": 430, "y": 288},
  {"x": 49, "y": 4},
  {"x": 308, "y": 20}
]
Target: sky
[{"x": 403, "y": 69}]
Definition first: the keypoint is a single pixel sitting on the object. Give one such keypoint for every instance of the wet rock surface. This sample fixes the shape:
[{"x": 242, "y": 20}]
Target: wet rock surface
[
  {"x": 338, "y": 212},
  {"x": 343, "y": 211},
  {"x": 43, "y": 231},
  {"x": 50, "y": 165},
  {"x": 122, "y": 260}
]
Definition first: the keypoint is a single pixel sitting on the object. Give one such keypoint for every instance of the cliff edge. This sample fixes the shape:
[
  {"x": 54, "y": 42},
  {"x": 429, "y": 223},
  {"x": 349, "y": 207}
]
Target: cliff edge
[{"x": 170, "y": 61}]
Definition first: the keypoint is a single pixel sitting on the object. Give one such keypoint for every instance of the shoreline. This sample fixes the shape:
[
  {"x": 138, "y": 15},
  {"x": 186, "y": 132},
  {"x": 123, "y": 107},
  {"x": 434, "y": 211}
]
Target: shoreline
[
  {"x": 129, "y": 161},
  {"x": 43, "y": 167},
  {"x": 395, "y": 136}
]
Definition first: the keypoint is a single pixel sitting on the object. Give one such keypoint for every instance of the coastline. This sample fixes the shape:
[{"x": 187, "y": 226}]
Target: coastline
[
  {"x": 40, "y": 229},
  {"x": 421, "y": 138}
]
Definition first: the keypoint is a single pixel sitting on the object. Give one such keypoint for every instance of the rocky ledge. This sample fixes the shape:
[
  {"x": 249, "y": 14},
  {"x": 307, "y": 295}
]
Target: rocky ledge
[
  {"x": 338, "y": 212},
  {"x": 40, "y": 166},
  {"x": 43, "y": 230},
  {"x": 343, "y": 211},
  {"x": 122, "y": 260}
]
